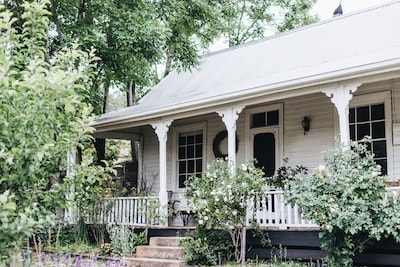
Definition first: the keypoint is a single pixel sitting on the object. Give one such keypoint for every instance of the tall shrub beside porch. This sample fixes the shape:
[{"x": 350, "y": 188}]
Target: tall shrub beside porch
[
  {"x": 219, "y": 197},
  {"x": 348, "y": 198}
]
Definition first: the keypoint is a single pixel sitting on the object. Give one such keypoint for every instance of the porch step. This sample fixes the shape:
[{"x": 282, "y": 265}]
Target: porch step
[
  {"x": 143, "y": 262},
  {"x": 169, "y": 241},
  {"x": 161, "y": 252}
]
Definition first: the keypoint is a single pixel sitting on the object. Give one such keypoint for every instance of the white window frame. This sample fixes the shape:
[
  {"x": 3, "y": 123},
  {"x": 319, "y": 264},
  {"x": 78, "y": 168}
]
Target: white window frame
[
  {"x": 377, "y": 98},
  {"x": 275, "y": 129},
  {"x": 176, "y": 131}
]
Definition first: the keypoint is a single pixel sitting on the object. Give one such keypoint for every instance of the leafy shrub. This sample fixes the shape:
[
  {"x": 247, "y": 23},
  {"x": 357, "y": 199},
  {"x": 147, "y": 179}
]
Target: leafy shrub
[
  {"x": 124, "y": 240},
  {"x": 347, "y": 197},
  {"x": 219, "y": 197},
  {"x": 285, "y": 174},
  {"x": 201, "y": 247}
]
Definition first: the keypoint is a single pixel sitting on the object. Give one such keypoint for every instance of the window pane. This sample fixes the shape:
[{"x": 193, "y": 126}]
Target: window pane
[
  {"x": 379, "y": 149},
  {"x": 182, "y": 153},
  {"x": 182, "y": 167},
  {"x": 258, "y": 120},
  {"x": 362, "y": 130},
  {"x": 182, "y": 140},
  {"x": 190, "y": 139},
  {"x": 199, "y": 138},
  {"x": 190, "y": 152},
  {"x": 378, "y": 130},
  {"x": 273, "y": 118},
  {"x": 199, "y": 151},
  {"x": 352, "y": 133},
  {"x": 182, "y": 179},
  {"x": 383, "y": 164},
  {"x": 363, "y": 114},
  {"x": 377, "y": 112},
  {"x": 190, "y": 166},
  {"x": 199, "y": 166},
  {"x": 352, "y": 115}
]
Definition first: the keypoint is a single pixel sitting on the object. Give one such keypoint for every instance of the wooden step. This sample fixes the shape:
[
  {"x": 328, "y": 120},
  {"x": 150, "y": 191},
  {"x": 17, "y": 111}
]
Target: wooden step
[
  {"x": 169, "y": 241},
  {"x": 146, "y": 262},
  {"x": 159, "y": 252}
]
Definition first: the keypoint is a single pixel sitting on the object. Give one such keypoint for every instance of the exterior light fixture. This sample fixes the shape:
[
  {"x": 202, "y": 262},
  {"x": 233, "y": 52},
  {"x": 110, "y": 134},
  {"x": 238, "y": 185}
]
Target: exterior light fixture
[{"x": 306, "y": 124}]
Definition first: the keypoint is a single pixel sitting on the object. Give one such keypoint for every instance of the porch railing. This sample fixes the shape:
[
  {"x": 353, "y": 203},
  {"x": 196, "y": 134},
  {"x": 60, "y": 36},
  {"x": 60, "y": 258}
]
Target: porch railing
[
  {"x": 132, "y": 211},
  {"x": 272, "y": 212}
]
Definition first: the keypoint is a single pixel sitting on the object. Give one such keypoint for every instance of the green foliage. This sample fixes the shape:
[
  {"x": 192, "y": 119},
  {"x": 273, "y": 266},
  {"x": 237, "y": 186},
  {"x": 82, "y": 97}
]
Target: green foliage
[
  {"x": 201, "y": 247},
  {"x": 42, "y": 118},
  {"x": 285, "y": 174},
  {"x": 347, "y": 197},
  {"x": 124, "y": 240},
  {"x": 219, "y": 197},
  {"x": 15, "y": 225},
  {"x": 244, "y": 21}
]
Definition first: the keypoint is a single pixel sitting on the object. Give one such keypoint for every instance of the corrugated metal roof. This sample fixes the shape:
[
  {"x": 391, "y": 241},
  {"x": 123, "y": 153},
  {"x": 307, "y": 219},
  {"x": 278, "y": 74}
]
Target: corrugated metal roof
[{"x": 338, "y": 46}]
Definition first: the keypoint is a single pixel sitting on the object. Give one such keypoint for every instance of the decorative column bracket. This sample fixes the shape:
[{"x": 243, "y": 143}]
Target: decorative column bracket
[
  {"x": 229, "y": 117},
  {"x": 341, "y": 97},
  {"x": 161, "y": 129}
]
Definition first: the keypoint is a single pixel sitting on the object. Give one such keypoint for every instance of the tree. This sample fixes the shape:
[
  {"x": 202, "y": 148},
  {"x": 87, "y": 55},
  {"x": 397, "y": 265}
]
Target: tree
[
  {"x": 132, "y": 38},
  {"x": 245, "y": 20},
  {"x": 42, "y": 118}
]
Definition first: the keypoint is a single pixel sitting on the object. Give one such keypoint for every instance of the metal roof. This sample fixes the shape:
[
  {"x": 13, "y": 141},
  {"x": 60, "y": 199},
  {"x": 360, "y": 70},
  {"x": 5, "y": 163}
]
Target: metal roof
[{"x": 345, "y": 46}]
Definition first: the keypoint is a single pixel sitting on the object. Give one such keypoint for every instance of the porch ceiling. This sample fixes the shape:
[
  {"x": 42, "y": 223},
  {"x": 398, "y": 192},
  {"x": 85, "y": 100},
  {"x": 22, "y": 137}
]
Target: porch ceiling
[{"x": 357, "y": 47}]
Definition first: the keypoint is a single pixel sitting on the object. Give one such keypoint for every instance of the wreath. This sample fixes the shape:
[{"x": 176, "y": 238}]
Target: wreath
[{"x": 217, "y": 144}]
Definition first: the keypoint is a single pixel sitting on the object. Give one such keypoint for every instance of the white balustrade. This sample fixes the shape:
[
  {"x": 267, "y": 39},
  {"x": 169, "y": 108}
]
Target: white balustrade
[
  {"x": 273, "y": 212},
  {"x": 132, "y": 211}
]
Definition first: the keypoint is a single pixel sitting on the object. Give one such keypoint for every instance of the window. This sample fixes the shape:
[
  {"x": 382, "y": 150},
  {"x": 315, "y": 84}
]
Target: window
[
  {"x": 190, "y": 155},
  {"x": 262, "y": 119},
  {"x": 369, "y": 115}
]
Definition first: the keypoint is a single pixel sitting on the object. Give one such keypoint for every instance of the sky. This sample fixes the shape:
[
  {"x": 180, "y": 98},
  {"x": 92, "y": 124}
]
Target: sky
[{"x": 325, "y": 8}]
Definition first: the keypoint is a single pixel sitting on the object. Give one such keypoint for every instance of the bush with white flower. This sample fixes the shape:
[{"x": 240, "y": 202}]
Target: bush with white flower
[
  {"x": 347, "y": 197},
  {"x": 219, "y": 197}
]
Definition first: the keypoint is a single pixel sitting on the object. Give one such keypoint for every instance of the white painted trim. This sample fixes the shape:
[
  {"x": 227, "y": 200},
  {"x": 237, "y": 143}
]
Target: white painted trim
[
  {"x": 229, "y": 117},
  {"x": 174, "y": 153},
  {"x": 376, "y": 98},
  {"x": 277, "y": 130}
]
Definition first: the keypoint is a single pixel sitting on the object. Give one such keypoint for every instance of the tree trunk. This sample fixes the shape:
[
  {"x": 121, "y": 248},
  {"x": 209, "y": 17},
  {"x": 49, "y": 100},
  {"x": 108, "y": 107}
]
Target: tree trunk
[
  {"x": 168, "y": 64},
  {"x": 131, "y": 94},
  {"x": 130, "y": 98},
  {"x": 100, "y": 145}
]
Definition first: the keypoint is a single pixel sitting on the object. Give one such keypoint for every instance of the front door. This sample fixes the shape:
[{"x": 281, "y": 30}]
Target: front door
[{"x": 264, "y": 148}]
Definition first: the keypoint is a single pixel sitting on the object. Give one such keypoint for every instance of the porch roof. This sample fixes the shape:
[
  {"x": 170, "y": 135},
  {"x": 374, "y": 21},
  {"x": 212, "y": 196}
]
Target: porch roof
[{"x": 347, "y": 47}]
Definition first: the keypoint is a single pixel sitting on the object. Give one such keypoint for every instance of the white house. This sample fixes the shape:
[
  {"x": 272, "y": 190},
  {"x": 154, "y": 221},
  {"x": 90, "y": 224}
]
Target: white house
[{"x": 341, "y": 74}]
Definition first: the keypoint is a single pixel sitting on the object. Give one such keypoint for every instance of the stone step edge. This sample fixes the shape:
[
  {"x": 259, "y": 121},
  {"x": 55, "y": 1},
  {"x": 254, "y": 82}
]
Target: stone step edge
[
  {"x": 169, "y": 241},
  {"x": 162, "y": 262}
]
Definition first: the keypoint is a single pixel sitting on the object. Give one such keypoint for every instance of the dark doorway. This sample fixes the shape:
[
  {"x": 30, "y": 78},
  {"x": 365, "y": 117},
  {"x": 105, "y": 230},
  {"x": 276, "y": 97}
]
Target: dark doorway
[{"x": 264, "y": 152}]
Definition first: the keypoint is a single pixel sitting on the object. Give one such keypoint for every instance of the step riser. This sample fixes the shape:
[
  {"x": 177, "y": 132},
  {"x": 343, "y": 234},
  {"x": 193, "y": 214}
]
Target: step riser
[
  {"x": 159, "y": 252},
  {"x": 155, "y": 263},
  {"x": 166, "y": 241}
]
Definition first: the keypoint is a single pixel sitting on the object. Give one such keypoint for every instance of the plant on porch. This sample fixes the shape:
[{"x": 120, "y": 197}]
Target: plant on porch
[
  {"x": 220, "y": 196},
  {"x": 348, "y": 198}
]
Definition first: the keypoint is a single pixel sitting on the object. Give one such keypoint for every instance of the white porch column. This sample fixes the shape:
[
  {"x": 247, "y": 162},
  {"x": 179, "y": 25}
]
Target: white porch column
[
  {"x": 161, "y": 129},
  {"x": 229, "y": 117},
  {"x": 341, "y": 97}
]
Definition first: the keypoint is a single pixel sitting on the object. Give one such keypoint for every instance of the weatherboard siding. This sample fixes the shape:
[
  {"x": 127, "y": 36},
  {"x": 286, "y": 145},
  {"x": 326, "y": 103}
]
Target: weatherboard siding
[{"x": 305, "y": 149}]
